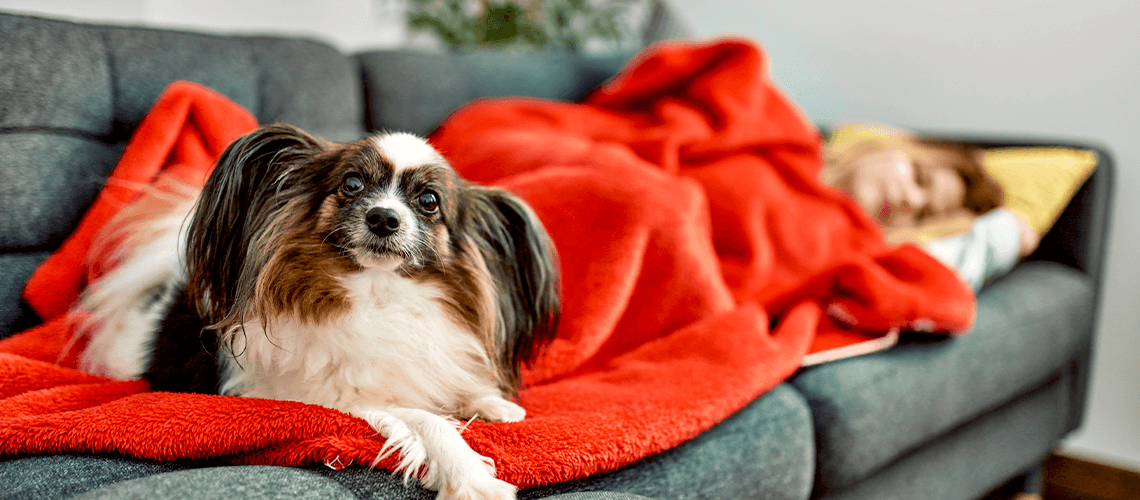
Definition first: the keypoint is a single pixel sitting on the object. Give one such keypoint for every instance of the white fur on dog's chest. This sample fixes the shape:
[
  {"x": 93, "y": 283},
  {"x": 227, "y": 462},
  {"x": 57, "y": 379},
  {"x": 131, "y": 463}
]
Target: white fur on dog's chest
[{"x": 397, "y": 345}]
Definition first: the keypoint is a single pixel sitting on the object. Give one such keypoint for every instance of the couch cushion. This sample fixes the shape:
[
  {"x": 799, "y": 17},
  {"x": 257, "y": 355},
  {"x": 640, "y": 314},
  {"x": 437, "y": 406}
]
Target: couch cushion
[
  {"x": 100, "y": 477},
  {"x": 147, "y": 60},
  {"x": 974, "y": 459},
  {"x": 49, "y": 178},
  {"x": 73, "y": 94},
  {"x": 15, "y": 268},
  {"x": 63, "y": 476},
  {"x": 765, "y": 447},
  {"x": 53, "y": 78},
  {"x": 251, "y": 482},
  {"x": 870, "y": 410},
  {"x": 101, "y": 80},
  {"x": 296, "y": 81},
  {"x": 309, "y": 85},
  {"x": 413, "y": 91}
]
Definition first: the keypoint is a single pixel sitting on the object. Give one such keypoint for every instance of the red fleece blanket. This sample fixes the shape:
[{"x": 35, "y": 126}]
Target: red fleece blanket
[{"x": 702, "y": 258}]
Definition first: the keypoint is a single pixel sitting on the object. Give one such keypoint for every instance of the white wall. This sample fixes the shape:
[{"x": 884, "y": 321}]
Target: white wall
[
  {"x": 1069, "y": 68},
  {"x": 1064, "y": 68},
  {"x": 347, "y": 24}
]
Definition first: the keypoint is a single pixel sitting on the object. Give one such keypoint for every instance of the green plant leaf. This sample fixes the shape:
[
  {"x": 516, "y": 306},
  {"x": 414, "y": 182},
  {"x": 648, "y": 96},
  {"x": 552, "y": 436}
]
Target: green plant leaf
[{"x": 564, "y": 24}]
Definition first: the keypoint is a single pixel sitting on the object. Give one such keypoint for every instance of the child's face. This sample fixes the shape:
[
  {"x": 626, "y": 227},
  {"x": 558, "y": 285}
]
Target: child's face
[{"x": 898, "y": 192}]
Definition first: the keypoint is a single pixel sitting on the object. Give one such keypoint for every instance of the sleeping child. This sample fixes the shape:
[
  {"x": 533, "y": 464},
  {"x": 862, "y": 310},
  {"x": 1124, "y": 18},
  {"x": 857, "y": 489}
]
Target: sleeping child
[{"x": 933, "y": 194}]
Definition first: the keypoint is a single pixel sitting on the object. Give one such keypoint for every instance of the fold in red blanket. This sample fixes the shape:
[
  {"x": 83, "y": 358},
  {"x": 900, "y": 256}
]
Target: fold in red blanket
[{"x": 702, "y": 259}]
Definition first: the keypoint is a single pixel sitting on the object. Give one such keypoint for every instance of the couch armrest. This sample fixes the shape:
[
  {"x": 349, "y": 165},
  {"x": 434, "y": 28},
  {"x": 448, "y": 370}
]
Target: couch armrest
[{"x": 1079, "y": 238}]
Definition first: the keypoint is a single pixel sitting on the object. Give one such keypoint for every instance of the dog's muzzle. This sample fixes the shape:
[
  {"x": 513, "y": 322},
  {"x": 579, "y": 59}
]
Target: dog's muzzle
[{"x": 382, "y": 221}]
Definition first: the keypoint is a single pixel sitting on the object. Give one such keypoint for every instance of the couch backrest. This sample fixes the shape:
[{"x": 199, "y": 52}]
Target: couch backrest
[
  {"x": 413, "y": 91},
  {"x": 71, "y": 94}
]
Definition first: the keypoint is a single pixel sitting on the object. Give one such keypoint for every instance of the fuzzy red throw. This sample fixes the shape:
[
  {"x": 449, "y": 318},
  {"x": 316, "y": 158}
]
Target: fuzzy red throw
[{"x": 702, "y": 258}]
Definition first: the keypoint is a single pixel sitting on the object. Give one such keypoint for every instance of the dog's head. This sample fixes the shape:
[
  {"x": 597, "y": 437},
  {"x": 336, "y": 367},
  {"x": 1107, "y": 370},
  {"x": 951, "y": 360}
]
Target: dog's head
[{"x": 285, "y": 216}]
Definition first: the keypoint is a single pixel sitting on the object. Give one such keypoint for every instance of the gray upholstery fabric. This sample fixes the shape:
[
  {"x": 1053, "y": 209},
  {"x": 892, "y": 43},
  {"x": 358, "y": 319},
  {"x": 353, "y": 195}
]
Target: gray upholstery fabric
[
  {"x": 15, "y": 268},
  {"x": 65, "y": 476},
  {"x": 414, "y": 91},
  {"x": 48, "y": 180},
  {"x": 1079, "y": 238},
  {"x": 600, "y": 495},
  {"x": 972, "y": 460},
  {"x": 764, "y": 451},
  {"x": 54, "y": 75},
  {"x": 102, "y": 80},
  {"x": 144, "y": 64},
  {"x": 322, "y": 94},
  {"x": 253, "y": 482},
  {"x": 870, "y": 410},
  {"x": 323, "y": 99},
  {"x": 50, "y": 477},
  {"x": 378, "y": 485},
  {"x": 111, "y": 478}
]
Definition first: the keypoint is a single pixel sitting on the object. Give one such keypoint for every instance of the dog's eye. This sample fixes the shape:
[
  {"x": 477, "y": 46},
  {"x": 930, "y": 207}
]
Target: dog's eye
[
  {"x": 352, "y": 185},
  {"x": 429, "y": 202}
]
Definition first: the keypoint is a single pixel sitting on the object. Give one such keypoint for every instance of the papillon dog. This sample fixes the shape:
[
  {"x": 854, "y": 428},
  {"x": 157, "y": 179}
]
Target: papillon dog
[{"x": 367, "y": 277}]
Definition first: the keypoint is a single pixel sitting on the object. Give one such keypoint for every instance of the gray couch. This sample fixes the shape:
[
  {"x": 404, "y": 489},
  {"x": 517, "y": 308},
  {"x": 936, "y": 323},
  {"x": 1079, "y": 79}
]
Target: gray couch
[{"x": 930, "y": 419}]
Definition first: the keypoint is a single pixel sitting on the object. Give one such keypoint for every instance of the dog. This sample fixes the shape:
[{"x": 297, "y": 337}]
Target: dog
[{"x": 367, "y": 277}]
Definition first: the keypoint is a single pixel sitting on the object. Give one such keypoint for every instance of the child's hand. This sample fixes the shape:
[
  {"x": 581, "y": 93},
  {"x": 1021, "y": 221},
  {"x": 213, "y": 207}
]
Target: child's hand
[{"x": 1029, "y": 238}]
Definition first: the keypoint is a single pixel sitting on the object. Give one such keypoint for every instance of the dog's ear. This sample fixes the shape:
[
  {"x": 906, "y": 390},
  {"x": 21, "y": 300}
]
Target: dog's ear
[
  {"x": 234, "y": 213},
  {"x": 524, "y": 266}
]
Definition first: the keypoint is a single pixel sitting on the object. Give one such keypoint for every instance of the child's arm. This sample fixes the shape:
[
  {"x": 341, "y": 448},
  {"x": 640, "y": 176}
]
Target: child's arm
[{"x": 997, "y": 241}]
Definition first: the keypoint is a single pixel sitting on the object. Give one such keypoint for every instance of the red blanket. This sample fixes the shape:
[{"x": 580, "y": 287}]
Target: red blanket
[{"x": 702, "y": 258}]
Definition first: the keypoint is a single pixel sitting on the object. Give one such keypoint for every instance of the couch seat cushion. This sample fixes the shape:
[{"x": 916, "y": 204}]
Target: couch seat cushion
[
  {"x": 872, "y": 409},
  {"x": 765, "y": 447}
]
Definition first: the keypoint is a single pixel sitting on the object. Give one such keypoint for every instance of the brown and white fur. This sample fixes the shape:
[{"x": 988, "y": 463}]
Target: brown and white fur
[{"x": 366, "y": 277}]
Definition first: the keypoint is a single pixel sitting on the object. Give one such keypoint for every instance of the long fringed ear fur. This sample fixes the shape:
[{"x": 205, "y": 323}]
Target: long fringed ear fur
[
  {"x": 524, "y": 266},
  {"x": 233, "y": 212}
]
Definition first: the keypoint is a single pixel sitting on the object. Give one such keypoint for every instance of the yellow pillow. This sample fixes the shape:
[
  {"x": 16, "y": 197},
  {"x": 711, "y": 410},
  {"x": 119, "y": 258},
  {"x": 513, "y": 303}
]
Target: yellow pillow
[{"x": 1039, "y": 182}]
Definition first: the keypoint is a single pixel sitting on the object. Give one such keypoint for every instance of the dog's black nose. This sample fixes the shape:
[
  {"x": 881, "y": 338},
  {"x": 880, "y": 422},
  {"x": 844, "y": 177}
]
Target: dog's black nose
[{"x": 382, "y": 221}]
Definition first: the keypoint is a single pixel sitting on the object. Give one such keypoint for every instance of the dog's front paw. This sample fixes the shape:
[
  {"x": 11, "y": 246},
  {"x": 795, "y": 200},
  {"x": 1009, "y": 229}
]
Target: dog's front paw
[
  {"x": 400, "y": 439},
  {"x": 477, "y": 487},
  {"x": 496, "y": 409}
]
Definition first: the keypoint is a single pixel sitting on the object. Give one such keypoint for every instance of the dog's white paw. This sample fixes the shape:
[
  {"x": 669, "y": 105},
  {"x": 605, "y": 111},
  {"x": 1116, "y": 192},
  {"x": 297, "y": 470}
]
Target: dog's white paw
[
  {"x": 477, "y": 487},
  {"x": 400, "y": 439},
  {"x": 431, "y": 449},
  {"x": 496, "y": 409}
]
